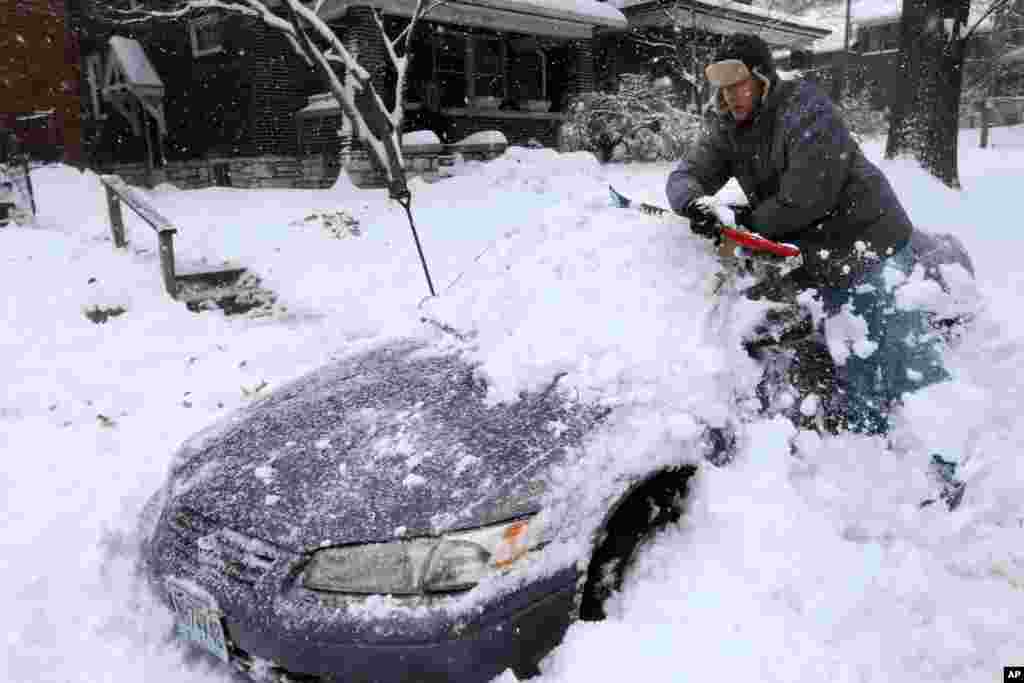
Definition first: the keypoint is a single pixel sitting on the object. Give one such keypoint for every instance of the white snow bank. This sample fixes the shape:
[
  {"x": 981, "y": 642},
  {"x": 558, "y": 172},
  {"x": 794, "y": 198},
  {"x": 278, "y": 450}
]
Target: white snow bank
[
  {"x": 421, "y": 137},
  {"x": 485, "y": 137},
  {"x": 798, "y": 566}
]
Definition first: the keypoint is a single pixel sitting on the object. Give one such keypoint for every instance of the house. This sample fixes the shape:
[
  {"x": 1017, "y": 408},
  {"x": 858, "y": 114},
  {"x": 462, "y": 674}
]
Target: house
[
  {"x": 39, "y": 79},
  {"x": 222, "y": 99},
  {"x": 695, "y": 28},
  {"x": 204, "y": 101},
  {"x": 873, "y": 59}
]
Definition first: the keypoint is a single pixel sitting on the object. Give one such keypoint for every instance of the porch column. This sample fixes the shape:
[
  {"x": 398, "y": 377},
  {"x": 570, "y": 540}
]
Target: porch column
[{"x": 362, "y": 38}]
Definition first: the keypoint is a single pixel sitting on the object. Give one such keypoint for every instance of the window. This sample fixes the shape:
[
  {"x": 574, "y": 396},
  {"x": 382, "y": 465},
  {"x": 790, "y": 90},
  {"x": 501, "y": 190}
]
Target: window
[
  {"x": 881, "y": 38},
  {"x": 489, "y": 67},
  {"x": 465, "y": 65},
  {"x": 450, "y": 67},
  {"x": 527, "y": 77},
  {"x": 207, "y": 35}
]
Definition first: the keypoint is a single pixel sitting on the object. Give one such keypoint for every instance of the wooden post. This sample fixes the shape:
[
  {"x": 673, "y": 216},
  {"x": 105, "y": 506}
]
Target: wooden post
[
  {"x": 167, "y": 262},
  {"x": 28, "y": 184},
  {"x": 984, "y": 123},
  {"x": 116, "y": 220},
  {"x": 150, "y": 161}
]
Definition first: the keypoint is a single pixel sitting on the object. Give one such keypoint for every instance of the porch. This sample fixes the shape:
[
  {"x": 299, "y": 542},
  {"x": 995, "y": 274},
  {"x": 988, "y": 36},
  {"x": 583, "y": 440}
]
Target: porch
[{"x": 510, "y": 66}]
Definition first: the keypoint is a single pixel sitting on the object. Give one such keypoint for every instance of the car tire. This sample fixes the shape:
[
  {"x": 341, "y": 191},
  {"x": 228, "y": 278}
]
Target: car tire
[{"x": 649, "y": 508}]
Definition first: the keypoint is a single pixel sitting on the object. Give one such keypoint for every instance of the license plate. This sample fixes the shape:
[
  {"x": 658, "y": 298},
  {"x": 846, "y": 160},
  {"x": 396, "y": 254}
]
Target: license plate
[{"x": 198, "y": 619}]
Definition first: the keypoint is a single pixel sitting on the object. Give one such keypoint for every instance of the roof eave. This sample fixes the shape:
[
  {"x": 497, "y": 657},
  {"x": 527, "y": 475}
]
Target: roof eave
[
  {"x": 782, "y": 32},
  {"x": 334, "y": 9}
]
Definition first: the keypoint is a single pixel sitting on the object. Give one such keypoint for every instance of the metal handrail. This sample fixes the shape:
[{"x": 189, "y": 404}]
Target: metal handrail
[{"x": 119, "y": 191}]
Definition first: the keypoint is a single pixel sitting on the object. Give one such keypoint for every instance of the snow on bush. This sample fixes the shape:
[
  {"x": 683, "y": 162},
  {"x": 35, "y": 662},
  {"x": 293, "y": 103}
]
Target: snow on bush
[
  {"x": 863, "y": 119},
  {"x": 640, "y": 121}
]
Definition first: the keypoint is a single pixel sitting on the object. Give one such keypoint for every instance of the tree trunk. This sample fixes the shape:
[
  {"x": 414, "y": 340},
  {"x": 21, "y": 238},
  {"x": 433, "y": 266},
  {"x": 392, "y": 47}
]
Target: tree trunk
[{"x": 925, "y": 119}]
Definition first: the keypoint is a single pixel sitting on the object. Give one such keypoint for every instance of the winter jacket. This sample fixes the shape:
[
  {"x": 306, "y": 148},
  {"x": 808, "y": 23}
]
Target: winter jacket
[{"x": 806, "y": 179}]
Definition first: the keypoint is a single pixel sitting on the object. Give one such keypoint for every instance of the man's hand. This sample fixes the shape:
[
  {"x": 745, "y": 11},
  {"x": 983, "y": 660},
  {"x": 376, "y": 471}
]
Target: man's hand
[
  {"x": 744, "y": 218},
  {"x": 703, "y": 220}
]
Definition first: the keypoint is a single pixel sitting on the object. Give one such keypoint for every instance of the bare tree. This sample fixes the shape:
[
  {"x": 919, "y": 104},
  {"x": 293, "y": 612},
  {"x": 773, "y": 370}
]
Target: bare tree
[
  {"x": 302, "y": 25},
  {"x": 925, "y": 121},
  {"x": 679, "y": 48}
]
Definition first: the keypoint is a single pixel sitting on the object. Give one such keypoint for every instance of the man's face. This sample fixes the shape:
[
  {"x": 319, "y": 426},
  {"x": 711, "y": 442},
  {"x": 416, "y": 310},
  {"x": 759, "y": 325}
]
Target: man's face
[{"x": 742, "y": 98}]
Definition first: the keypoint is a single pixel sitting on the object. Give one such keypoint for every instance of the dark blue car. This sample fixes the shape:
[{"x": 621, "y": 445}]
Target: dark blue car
[{"x": 378, "y": 520}]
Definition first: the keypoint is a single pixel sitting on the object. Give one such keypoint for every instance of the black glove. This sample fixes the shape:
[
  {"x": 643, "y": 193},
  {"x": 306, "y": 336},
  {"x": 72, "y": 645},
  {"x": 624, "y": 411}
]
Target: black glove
[
  {"x": 744, "y": 217},
  {"x": 703, "y": 220}
]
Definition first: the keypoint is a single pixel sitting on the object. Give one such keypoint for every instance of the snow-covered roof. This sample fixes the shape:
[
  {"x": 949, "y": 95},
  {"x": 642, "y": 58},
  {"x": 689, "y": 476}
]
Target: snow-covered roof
[
  {"x": 135, "y": 65},
  {"x": 726, "y": 16},
  {"x": 587, "y": 11},
  {"x": 832, "y": 16},
  {"x": 320, "y": 103},
  {"x": 555, "y": 15},
  {"x": 1013, "y": 56},
  {"x": 868, "y": 12},
  {"x": 871, "y": 12},
  {"x": 864, "y": 13},
  {"x": 725, "y": 4}
]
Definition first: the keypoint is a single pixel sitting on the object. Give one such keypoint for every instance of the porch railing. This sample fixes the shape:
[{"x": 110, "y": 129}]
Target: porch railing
[{"x": 119, "y": 191}]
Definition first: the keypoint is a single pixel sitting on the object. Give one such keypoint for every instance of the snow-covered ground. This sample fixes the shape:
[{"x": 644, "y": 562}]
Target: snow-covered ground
[{"x": 809, "y": 568}]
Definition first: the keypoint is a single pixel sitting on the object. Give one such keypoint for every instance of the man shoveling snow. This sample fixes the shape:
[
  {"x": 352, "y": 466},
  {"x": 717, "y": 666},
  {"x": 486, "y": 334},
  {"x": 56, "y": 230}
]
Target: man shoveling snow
[{"x": 809, "y": 184}]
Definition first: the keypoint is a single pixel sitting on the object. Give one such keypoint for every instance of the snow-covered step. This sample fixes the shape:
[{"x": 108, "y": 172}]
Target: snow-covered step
[{"x": 232, "y": 290}]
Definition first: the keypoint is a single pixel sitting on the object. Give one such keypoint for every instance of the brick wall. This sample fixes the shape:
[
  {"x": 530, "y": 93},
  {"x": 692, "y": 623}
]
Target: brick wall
[
  {"x": 319, "y": 134},
  {"x": 281, "y": 83},
  {"x": 362, "y": 37},
  {"x": 268, "y": 171},
  {"x": 39, "y": 67}
]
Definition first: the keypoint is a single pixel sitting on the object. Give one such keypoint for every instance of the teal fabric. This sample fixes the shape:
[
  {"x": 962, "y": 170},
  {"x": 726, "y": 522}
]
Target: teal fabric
[{"x": 908, "y": 356}]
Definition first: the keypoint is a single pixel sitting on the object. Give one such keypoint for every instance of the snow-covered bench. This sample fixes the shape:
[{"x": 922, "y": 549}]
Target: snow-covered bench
[
  {"x": 426, "y": 156},
  {"x": 482, "y": 146}
]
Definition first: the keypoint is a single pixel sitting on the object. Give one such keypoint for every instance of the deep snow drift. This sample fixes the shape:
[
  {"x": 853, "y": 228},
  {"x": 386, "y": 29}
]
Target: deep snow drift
[{"x": 785, "y": 568}]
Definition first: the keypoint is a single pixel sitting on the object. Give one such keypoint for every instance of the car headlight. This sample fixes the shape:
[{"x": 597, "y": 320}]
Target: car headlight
[{"x": 452, "y": 562}]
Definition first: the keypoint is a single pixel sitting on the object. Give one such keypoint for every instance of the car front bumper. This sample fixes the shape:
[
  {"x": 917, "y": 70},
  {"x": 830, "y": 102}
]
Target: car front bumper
[
  {"x": 513, "y": 632},
  {"x": 275, "y": 626}
]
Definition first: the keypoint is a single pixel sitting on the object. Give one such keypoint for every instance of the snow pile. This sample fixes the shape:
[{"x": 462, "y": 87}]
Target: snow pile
[
  {"x": 793, "y": 564},
  {"x": 420, "y": 137}
]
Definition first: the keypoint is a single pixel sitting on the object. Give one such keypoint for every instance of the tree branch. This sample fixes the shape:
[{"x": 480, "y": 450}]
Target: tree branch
[{"x": 999, "y": 4}]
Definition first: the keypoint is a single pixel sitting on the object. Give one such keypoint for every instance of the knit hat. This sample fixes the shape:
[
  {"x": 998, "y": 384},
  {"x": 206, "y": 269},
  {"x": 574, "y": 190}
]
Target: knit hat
[{"x": 751, "y": 50}]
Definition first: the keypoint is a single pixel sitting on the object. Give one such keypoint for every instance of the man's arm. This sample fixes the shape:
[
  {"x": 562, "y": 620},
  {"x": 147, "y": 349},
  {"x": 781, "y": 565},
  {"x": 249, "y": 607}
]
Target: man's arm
[
  {"x": 703, "y": 171},
  {"x": 819, "y": 150}
]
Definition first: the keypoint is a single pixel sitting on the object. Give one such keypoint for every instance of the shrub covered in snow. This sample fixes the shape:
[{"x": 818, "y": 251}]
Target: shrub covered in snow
[
  {"x": 639, "y": 121},
  {"x": 864, "y": 120}
]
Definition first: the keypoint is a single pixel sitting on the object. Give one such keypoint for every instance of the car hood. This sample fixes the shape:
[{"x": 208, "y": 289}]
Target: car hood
[{"x": 394, "y": 441}]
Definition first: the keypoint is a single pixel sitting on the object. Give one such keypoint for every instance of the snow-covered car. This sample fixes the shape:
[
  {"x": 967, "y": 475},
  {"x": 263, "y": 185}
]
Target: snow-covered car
[{"x": 379, "y": 519}]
